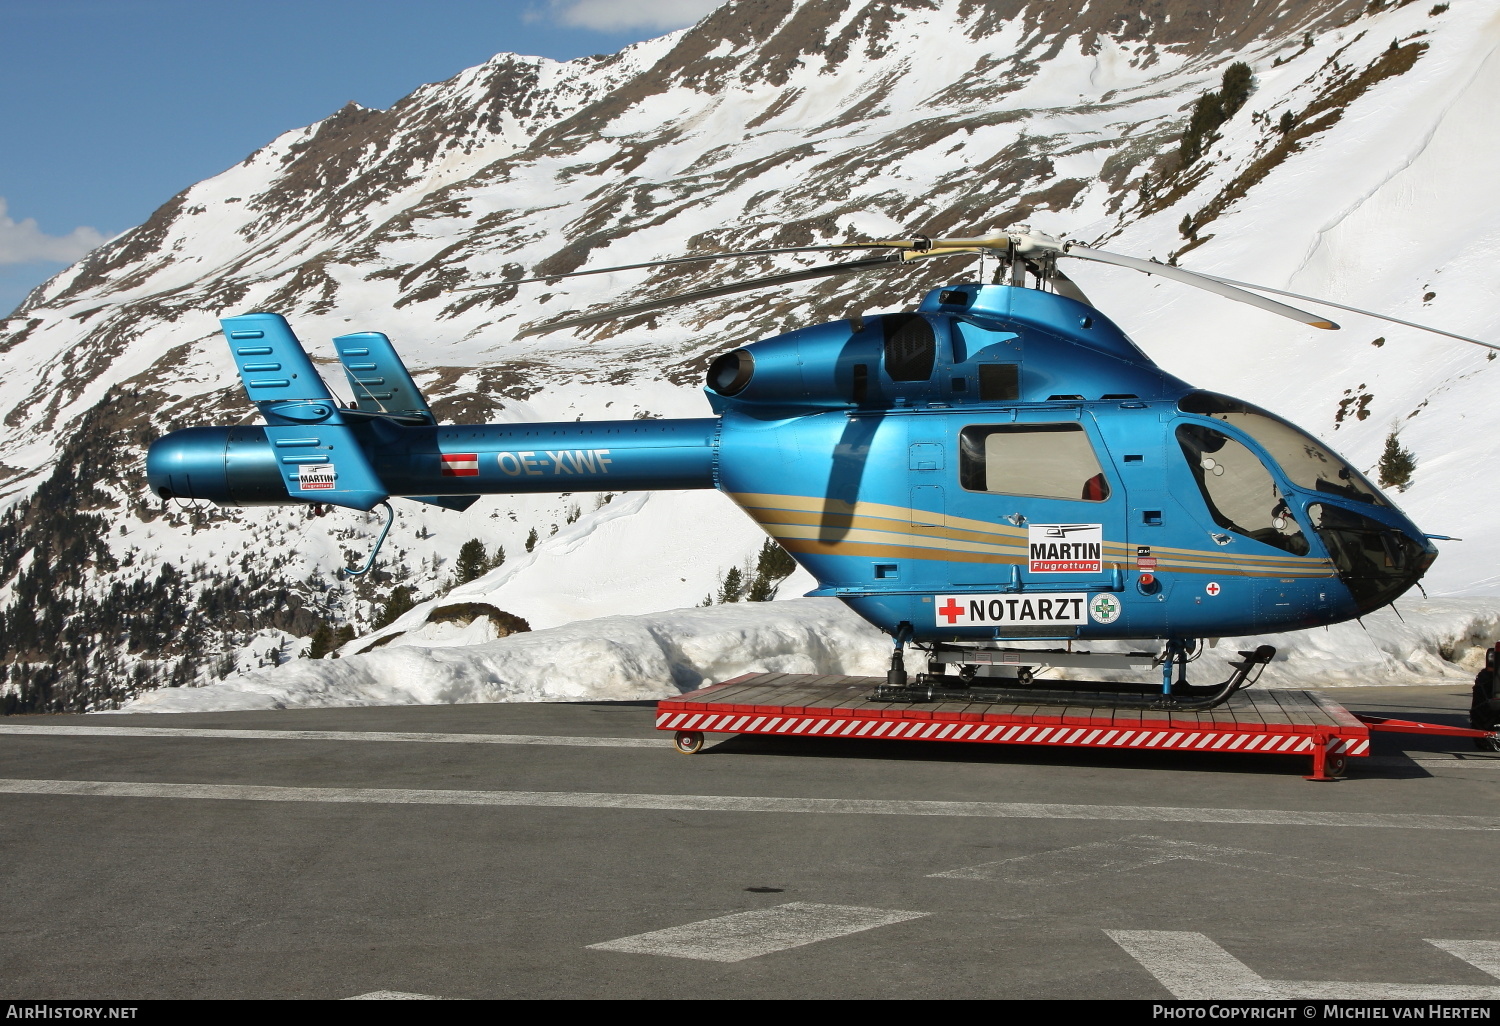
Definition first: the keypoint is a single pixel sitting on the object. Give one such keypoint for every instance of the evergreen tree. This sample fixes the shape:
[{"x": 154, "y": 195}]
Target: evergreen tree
[
  {"x": 471, "y": 563},
  {"x": 531, "y": 540},
  {"x": 1208, "y": 114},
  {"x": 774, "y": 561},
  {"x": 761, "y": 590},
  {"x": 322, "y": 642},
  {"x": 398, "y": 602},
  {"x": 1235, "y": 89},
  {"x": 1212, "y": 110},
  {"x": 734, "y": 583},
  {"x": 342, "y": 637},
  {"x": 498, "y": 558},
  {"x": 1397, "y": 464},
  {"x": 772, "y": 566}
]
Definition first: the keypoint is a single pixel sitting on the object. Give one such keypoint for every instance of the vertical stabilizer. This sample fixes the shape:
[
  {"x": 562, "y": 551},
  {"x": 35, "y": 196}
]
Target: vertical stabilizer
[
  {"x": 379, "y": 379},
  {"x": 278, "y": 375},
  {"x": 318, "y": 454}
]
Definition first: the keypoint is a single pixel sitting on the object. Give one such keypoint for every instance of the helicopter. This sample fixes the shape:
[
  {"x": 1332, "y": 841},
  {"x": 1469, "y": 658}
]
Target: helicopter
[{"x": 1001, "y": 465}]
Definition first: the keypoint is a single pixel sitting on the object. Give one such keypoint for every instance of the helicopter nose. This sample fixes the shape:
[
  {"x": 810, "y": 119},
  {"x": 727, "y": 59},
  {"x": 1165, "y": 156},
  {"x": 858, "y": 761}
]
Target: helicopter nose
[{"x": 1376, "y": 562}]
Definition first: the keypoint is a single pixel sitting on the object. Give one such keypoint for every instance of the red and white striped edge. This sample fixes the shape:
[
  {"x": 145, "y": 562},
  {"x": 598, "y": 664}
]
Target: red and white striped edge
[{"x": 1178, "y": 738}]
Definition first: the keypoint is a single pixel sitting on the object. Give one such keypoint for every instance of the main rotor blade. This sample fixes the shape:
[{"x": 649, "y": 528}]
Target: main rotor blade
[
  {"x": 678, "y": 260},
  {"x": 822, "y": 271},
  {"x": 1202, "y": 281},
  {"x": 1352, "y": 309},
  {"x": 1068, "y": 288}
]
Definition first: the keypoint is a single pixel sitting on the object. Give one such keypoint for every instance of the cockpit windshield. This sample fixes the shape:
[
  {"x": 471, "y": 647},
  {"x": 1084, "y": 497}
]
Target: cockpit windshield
[
  {"x": 1239, "y": 492},
  {"x": 1304, "y": 459}
]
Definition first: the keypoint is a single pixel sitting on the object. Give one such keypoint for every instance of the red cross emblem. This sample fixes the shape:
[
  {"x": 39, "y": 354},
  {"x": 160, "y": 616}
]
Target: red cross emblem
[
  {"x": 1212, "y": 588},
  {"x": 952, "y": 611}
]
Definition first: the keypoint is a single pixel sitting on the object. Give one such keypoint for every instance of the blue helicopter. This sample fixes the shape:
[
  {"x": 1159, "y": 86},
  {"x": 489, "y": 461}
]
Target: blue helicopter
[{"x": 1002, "y": 464}]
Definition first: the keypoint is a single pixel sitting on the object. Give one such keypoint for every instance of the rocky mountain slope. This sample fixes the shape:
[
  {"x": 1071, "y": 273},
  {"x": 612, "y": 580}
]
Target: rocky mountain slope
[{"x": 1359, "y": 168}]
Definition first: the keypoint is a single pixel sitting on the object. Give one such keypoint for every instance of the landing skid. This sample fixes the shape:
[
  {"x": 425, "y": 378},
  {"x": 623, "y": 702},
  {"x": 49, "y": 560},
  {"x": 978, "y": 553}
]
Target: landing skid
[{"x": 966, "y": 687}]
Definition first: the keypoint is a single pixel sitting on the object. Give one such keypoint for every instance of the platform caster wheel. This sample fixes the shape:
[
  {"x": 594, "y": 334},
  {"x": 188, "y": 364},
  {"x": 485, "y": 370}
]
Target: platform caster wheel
[
  {"x": 688, "y": 742},
  {"x": 1336, "y": 766},
  {"x": 1487, "y": 744},
  {"x": 1024, "y": 676}
]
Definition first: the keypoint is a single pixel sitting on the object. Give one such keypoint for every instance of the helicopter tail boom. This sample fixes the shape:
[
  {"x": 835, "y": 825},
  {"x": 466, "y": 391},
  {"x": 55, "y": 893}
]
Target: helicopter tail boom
[
  {"x": 445, "y": 466},
  {"x": 313, "y": 450}
]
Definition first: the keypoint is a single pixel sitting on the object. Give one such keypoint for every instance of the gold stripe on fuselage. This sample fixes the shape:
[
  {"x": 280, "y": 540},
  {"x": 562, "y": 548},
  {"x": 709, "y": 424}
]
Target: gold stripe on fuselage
[{"x": 813, "y": 525}]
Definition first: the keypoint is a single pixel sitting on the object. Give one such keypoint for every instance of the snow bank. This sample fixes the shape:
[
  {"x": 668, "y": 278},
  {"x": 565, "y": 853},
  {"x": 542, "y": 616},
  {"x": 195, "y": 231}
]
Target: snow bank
[
  {"x": 657, "y": 655},
  {"x": 612, "y": 658}
]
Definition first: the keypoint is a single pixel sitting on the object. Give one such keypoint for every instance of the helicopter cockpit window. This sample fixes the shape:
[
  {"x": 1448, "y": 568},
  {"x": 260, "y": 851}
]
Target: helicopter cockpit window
[
  {"x": 1053, "y": 461},
  {"x": 1305, "y": 460},
  {"x": 1241, "y": 494}
]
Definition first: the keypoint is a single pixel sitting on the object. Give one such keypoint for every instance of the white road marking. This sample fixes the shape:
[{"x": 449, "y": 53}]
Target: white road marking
[
  {"x": 751, "y": 934},
  {"x": 748, "y": 803},
  {"x": 337, "y": 735},
  {"x": 1194, "y": 968},
  {"x": 392, "y": 995},
  {"x": 1465, "y": 761},
  {"x": 1189, "y": 965},
  {"x": 1084, "y": 861},
  {"x": 1482, "y": 955},
  {"x": 1451, "y": 762}
]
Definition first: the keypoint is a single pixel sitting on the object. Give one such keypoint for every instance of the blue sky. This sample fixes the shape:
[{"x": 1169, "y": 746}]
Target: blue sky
[{"x": 110, "y": 107}]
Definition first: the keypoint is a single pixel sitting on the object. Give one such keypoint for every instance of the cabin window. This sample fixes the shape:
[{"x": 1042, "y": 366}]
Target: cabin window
[
  {"x": 1306, "y": 461},
  {"x": 1051, "y": 461},
  {"x": 1240, "y": 493}
]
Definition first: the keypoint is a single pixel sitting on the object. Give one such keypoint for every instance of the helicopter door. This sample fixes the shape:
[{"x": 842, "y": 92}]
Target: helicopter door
[
  {"x": 1054, "y": 501},
  {"x": 926, "y": 468},
  {"x": 926, "y": 463}
]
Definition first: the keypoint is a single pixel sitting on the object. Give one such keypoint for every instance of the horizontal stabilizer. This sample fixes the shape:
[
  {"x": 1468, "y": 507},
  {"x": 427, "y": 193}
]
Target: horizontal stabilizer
[
  {"x": 454, "y": 502},
  {"x": 379, "y": 379}
]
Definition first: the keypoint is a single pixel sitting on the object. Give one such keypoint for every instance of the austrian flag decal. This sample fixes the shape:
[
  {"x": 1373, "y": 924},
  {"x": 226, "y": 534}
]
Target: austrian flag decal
[{"x": 461, "y": 464}]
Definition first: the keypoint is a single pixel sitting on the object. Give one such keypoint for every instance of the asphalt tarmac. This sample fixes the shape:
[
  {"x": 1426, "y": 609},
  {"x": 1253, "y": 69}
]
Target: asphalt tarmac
[{"x": 567, "y": 851}]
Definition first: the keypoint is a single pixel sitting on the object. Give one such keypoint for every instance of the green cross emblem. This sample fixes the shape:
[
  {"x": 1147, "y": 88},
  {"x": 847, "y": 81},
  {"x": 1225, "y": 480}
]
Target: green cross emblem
[{"x": 1105, "y": 607}]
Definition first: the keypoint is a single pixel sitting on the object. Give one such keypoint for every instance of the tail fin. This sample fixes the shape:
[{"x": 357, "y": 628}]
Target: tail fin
[
  {"x": 318, "y": 454},
  {"x": 379, "y": 379},
  {"x": 273, "y": 365}
]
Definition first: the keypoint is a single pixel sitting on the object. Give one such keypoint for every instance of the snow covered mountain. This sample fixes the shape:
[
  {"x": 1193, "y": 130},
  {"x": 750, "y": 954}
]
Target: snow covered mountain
[{"x": 1360, "y": 168}]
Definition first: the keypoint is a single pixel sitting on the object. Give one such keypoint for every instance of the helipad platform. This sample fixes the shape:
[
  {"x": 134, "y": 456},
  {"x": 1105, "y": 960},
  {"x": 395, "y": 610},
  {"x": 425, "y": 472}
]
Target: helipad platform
[{"x": 1253, "y": 722}]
